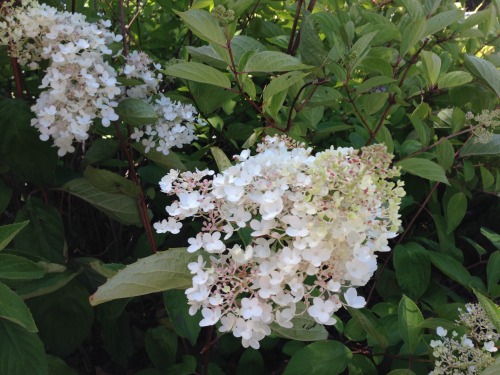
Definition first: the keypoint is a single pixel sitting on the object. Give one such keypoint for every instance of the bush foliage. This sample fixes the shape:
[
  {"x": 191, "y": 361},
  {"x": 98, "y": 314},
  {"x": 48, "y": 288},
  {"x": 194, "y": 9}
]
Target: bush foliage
[{"x": 80, "y": 288}]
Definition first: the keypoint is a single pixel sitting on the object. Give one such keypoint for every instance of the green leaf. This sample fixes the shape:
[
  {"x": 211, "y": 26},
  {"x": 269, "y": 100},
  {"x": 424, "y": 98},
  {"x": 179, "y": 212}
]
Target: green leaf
[
  {"x": 494, "y": 369},
  {"x": 162, "y": 271},
  {"x": 370, "y": 324},
  {"x": 21, "y": 352},
  {"x": 136, "y": 112},
  {"x": 282, "y": 82},
  {"x": 9, "y": 231},
  {"x": 221, "y": 159},
  {"x": 422, "y": 129},
  {"x": 47, "y": 284},
  {"x": 13, "y": 308},
  {"x": 485, "y": 71},
  {"x": 197, "y": 72},
  {"x": 476, "y": 148},
  {"x": 45, "y": 229},
  {"x": 13, "y": 267},
  {"x": 442, "y": 20},
  {"x": 170, "y": 161},
  {"x": 184, "y": 324},
  {"x": 203, "y": 25},
  {"x": 486, "y": 178},
  {"x": 271, "y": 61},
  {"x": 492, "y": 310},
  {"x": 457, "y": 119},
  {"x": 250, "y": 363},
  {"x": 453, "y": 79},
  {"x": 304, "y": 329},
  {"x": 493, "y": 274},
  {"x": 455, "y": 211},
  {"x": 413, "y": 269},
  {"x": 374, "y": 102},
  {"x": 186, "y": 367},
  {"x": 410, "y": 318},
  {"x": 319, "y": 358},
  {"x": 117, "y": 206},
  {"x": 432, "y": 66},
  {"x": 101, "y": 150},
  {"x": 412, "y": 34},
  {"x": 445, "y": 154},
  {"x": 493, "y": 237},
  {"x": 361, "y": 365},
  {"x": 374, "y": 82},
  {"x": 451, "y": 268},
  {"x": 414, "y": 8},
  {"x": 64, "y": 318},
  {"x": 161, "y": 346},
  {"x": 111, "y": 182},
  {"x": 58, "y": 367},
  {"x": 424, "y": 168}
]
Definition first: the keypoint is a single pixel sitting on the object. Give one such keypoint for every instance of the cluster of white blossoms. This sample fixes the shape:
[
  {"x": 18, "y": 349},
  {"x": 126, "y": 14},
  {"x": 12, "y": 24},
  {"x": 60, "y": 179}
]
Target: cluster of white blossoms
[
  {"x": 466, "y": 354},
  {"x": 175, "y": 126},
  {"x": 285, "y": 233},
  {"x": 485, "y": 124},
  {"x": 79, "y": 84}
]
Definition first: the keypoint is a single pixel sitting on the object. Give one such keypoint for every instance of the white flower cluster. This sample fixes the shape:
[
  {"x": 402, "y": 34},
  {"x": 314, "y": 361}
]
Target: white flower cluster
[
  {"x": 461, "y": 355},
  {"x": 79, "y": 85},
  {"x": 309, "y": 226},
  {"x": 174, "y": 128},
  {"x": 485, "y": 126}
]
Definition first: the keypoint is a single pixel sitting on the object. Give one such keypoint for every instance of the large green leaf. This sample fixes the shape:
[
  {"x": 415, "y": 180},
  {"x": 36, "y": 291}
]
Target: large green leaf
[
  {"x": 161, "y": 345},
  {"x": 45, "y": 229},
  {"x": 281, "y": 83},
  {"x": 111, "y": 182},
  {"x": 221, "y": 159},
  {"x": 485, "y": 71},
  {"x": 136, "y": 112},
  {"x": 197, "y": 72},
  {"x": 492, "y": 310},
  {"x": 19, "y": 142},
  {"x": 13, "y": 267},
  {"x": 63, "y": 317},
  {"x": 271, "y": 61},
  {"x": 47, "y": 284},
  {"x": 162, "y": 271},
  {"x": 21, "y": 352},
  {"x": 184, "y": 324},
  {"x": 476, "y": 148},
  {"x": 442, "y": 20},
  {"x": 453, "y": 79},
  {"x": 424, "y": 168},
  {"x": 493, "y": 274},
  {"x": 304, "y": 329},
  {"x": 203, "y": 25},
  {"x": 13, "y": 308},
  {"x": 410, "y": 318},
  {"x": 412, "y": 34},
  {"x": 170, "y": 161},
  {"x": 413, "y": 268},
  {"x": 451, "y": 268},
  {"x": 445, "y": 154},
  {"x": 370, "y": 324},
  {"x": 118, "y": 206},
  {"x": 319, "y": 358},
  {"x": 456, "y": 209},
  {"x": 58, "y": 367},
  {"x": 9, "y": 231}
]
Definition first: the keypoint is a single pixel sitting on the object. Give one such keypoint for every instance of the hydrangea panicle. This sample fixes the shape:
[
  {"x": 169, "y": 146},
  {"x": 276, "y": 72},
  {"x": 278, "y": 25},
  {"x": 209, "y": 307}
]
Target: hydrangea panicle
[{"x": 315, "y": 224}]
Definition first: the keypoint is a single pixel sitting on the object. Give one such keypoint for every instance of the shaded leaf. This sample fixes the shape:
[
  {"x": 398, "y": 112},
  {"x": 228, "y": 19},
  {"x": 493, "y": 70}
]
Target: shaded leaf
[
  {"x": 203, "y": 25},
  {"x": 118, "y": 206},
  {"x": 476, "y": 148},
  {"x": 9, "y": 231},
  {"x": 162, "y": 271},
  {"x": 13, "y": 308},
  {"x": 13, "y": 267},
  {"x": 413, "y": 268},
  {"x": 136, "y": 112},
  {"x": 21, "y": 352},
  {"x": 410, "y": 318},
  {"x": 271, "y": 61},
  {"x": 197, "y": 72},
  {"x": 424, "y": 168}
]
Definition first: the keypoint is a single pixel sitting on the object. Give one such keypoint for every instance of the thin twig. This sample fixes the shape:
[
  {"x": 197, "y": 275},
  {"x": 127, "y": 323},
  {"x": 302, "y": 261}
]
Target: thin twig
[
  {"x": 124, "y": 28},
  {"x": 291, "y": 42},
  {"x": 143, "y": 210},
  {"x": 17, "y": 76}
]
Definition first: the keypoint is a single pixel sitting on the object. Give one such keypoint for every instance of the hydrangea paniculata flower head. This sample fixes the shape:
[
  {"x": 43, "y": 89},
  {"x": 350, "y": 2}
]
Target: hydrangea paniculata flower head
[{"x": 312, "y": 223}]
